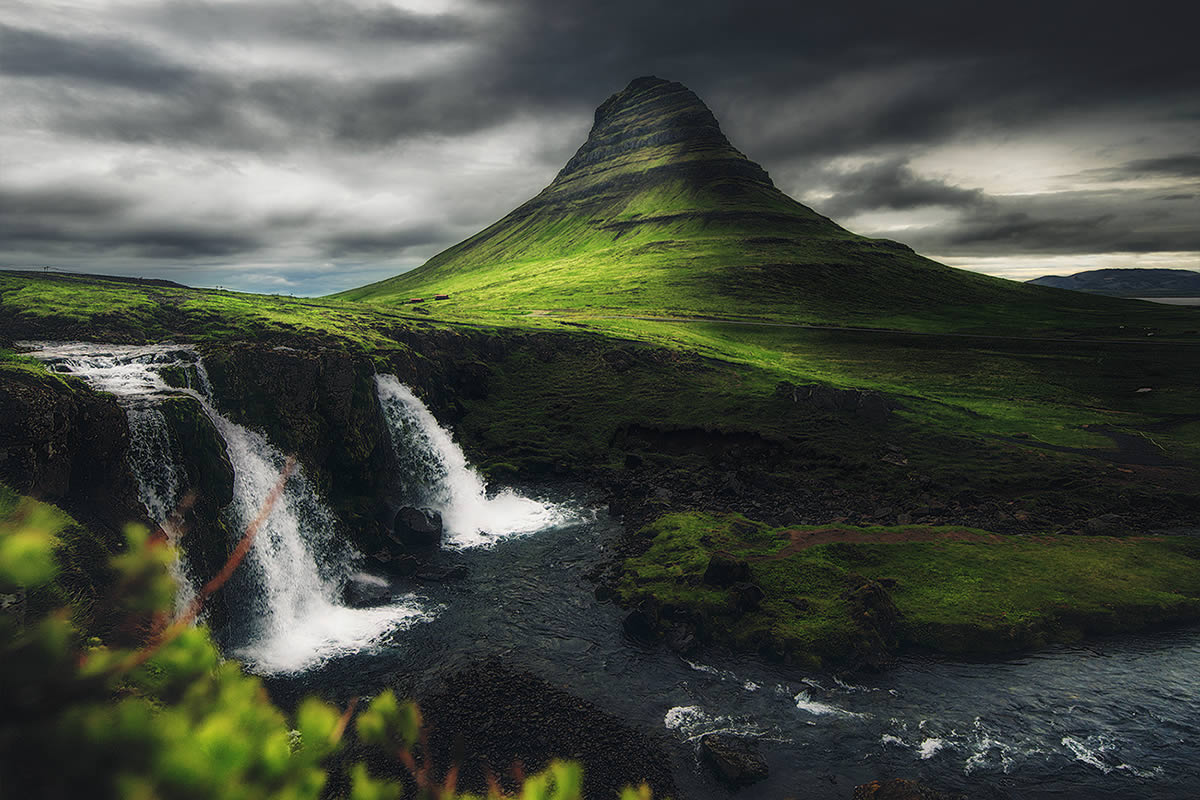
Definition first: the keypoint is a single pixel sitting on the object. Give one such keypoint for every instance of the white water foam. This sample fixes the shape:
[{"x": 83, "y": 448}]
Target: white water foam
[
  {"x": 438, "y": 476},
  {"x": 805, "y": 702},
  {"x": 302, "y": 563},
  {"x": 298, "y": 561},
  {"x": 693, "y": 723}
]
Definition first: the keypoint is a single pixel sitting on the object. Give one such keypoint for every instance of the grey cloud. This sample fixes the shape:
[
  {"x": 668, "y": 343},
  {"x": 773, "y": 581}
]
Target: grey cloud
[
  {"x": 1066, "y": 222},
  {"x": 33, "y": 54},
  {"x": 891, "y": 185},
  {"x": 1184, "y": 165},
  {"x": 365, "y": 243},
  {"x": 327, "y": 20}
]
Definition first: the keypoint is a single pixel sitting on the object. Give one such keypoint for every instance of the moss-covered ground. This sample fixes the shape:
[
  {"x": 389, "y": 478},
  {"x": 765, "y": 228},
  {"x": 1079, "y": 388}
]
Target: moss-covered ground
[
  {"x": 957, "y": 590},
  {"x": 1002, "y": 433}
]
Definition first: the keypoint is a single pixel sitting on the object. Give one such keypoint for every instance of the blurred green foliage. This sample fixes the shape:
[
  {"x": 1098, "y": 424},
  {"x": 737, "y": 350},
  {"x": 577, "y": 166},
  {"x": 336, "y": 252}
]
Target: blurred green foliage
[{"x": 84, "y": 718}]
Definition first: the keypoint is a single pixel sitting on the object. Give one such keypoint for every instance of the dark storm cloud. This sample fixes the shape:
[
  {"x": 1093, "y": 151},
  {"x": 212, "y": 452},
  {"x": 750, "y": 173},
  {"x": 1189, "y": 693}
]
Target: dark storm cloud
[
  {"x": 1184, "y": 166},
  {"x": 253, "y": 89},
  {"x": 893, "y": 185},
  {"x": 61, "y": 201},
  {"x": 364, "y": 243},
  {"x": 311, "y": 21},
  {"x": 1128, "y": 221},
  {"x": 119, "y": 62}
]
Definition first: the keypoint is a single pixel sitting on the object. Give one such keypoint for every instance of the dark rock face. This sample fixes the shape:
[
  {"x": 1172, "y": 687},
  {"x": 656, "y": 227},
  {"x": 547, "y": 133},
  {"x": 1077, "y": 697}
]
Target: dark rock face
[
  {"x": 877, "y": 618},
  {"x": 641, "y": 624},
  {"x": 747, "y": 596},
  {"x": 417, "y": 527},
  {"x": 64, "y": 443},
  {"x": 725, "y": 570},
  {"x": 900, "y": 789},
  {"x": 209, "y": 477},
  {"x": 364, "y": 590},
  {"x": 489, "y": 717},
  {"x": 736, "y": 761},
  {"x": 1106, "y": 525}
]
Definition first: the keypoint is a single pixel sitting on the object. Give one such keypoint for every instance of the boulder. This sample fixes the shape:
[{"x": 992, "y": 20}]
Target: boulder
[
  {"x": 641, "y": 624},
  {"x": 417, "y": 527},
  {"x": 725, "y": 570},
  {"x": 748, "y": 596},
  {"x": 736, "y": 761},
  {"x": 363, "y": 590}
]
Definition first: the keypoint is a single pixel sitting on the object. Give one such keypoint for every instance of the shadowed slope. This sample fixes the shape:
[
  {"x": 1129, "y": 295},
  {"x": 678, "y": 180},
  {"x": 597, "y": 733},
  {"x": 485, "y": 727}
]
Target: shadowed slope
[{"x": 658, "y": 213}]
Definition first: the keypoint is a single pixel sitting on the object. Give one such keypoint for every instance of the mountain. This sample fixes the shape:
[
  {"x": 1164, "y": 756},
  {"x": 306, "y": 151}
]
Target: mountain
[
  {"x": 657, "y": 213},
  {"x": 1128, "y": 282}
]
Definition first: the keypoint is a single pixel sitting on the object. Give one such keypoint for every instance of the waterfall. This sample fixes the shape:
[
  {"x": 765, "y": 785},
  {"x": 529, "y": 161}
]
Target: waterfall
[
  {"x": 152, "y": 461},
  {"x": 286, "y": 609},
  {"x": 435, "y": 474}
]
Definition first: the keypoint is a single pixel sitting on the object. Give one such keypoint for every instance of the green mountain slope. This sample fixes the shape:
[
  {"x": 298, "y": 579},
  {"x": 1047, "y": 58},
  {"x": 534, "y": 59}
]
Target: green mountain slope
[{"x": 657, "y": 213}]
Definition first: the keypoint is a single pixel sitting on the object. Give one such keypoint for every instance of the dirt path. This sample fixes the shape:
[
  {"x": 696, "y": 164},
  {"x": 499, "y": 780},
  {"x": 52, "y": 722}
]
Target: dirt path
[{"x": 804, "y": 539}]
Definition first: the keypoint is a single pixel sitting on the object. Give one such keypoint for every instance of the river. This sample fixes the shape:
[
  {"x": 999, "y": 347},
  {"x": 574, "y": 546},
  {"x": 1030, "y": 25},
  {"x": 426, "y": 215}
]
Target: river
[{"x": 1113, "y": 719}]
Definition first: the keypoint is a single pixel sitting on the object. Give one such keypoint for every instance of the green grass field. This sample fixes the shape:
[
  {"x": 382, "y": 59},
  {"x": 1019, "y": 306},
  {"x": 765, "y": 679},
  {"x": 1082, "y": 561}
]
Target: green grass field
[{"x": 959, "y": 591}]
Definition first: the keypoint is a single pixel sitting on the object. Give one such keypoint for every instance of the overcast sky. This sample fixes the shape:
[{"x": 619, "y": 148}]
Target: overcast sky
[{"x": 307, "y": 147}]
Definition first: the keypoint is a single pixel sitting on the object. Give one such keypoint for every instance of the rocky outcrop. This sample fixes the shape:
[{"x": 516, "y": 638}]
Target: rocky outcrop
[
  {"x": 489, "y": 717},
  {"x": 417, "y": 527},
  {"x": 736, "y": 761},
  {"x": 64, "y": 443},
  {"x": 877, "y": 619},
  {"x": 725, "y": 570}
]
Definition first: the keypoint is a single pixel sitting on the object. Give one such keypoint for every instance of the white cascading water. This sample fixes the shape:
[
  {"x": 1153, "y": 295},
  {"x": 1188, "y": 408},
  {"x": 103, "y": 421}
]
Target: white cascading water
[
  {"x": 152, "y": 461},
  {"x": 436, "y": 475},
  {"x": 295, "y": 617}
]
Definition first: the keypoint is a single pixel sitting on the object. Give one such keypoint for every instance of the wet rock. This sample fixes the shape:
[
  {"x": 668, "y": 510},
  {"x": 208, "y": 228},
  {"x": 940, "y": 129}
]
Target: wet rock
[
  {"x": 736, "y": 761},
  {"x": 725, "y": 570},
  {"x": 363, "y": 590},
  {"x": 747, "y": 596},
  {"x": 457, "y": 572},
  {"x": 640, "y": 624},
  {"x": 877, "y": 618},
  {"x": 900, "y": 789},
  {"x": 682, "y": 639},
  {"x": 1106, "y": 525},
  {"x": 417, "y": 527}
]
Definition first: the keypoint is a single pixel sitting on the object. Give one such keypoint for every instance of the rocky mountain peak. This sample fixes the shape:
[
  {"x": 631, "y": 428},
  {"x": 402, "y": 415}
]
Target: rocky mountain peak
[{"x": 656, "y": 120}]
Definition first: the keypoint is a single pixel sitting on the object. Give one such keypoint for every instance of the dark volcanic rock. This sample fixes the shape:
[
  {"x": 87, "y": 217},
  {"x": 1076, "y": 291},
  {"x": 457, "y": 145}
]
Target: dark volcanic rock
[
  {"x": 363, "y": 590},
  {"x": 641, "y": 623},
  {"x": 877, "y": 617},
  {"x": 417, "y": 527},
  {"x": 489, "y": 717},
  {"x": 64, "y": 443},
  {"x": 1106, "y": 525},
  {"x": 900, "y": 789},
  {"x": 748, "y": 596},
  {"x": 736, "y": 761},
  {"x": 725, "y": 570}
]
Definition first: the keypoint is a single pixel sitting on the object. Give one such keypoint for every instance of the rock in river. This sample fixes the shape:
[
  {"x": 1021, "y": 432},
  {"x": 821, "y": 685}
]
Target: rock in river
[
  {"x": 417, "y": 527},
  {"x": 736, "y": 761},
  {"x": 363, "y": 590}
]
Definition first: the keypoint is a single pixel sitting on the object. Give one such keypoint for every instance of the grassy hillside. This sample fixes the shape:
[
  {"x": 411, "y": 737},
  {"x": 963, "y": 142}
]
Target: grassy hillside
[
  {"x": 658, "y": 214},
  {"x": 829, "y": 591}
]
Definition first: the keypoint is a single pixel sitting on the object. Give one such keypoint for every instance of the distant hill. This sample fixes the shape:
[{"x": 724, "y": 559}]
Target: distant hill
[
  {"x": 657, "y": 213},
  {"x": 1128, "y": 282}
]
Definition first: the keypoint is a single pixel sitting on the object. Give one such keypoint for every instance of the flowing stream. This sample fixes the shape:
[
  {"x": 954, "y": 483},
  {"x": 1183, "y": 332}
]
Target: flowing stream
[{"x": 1114, "y": 719}]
